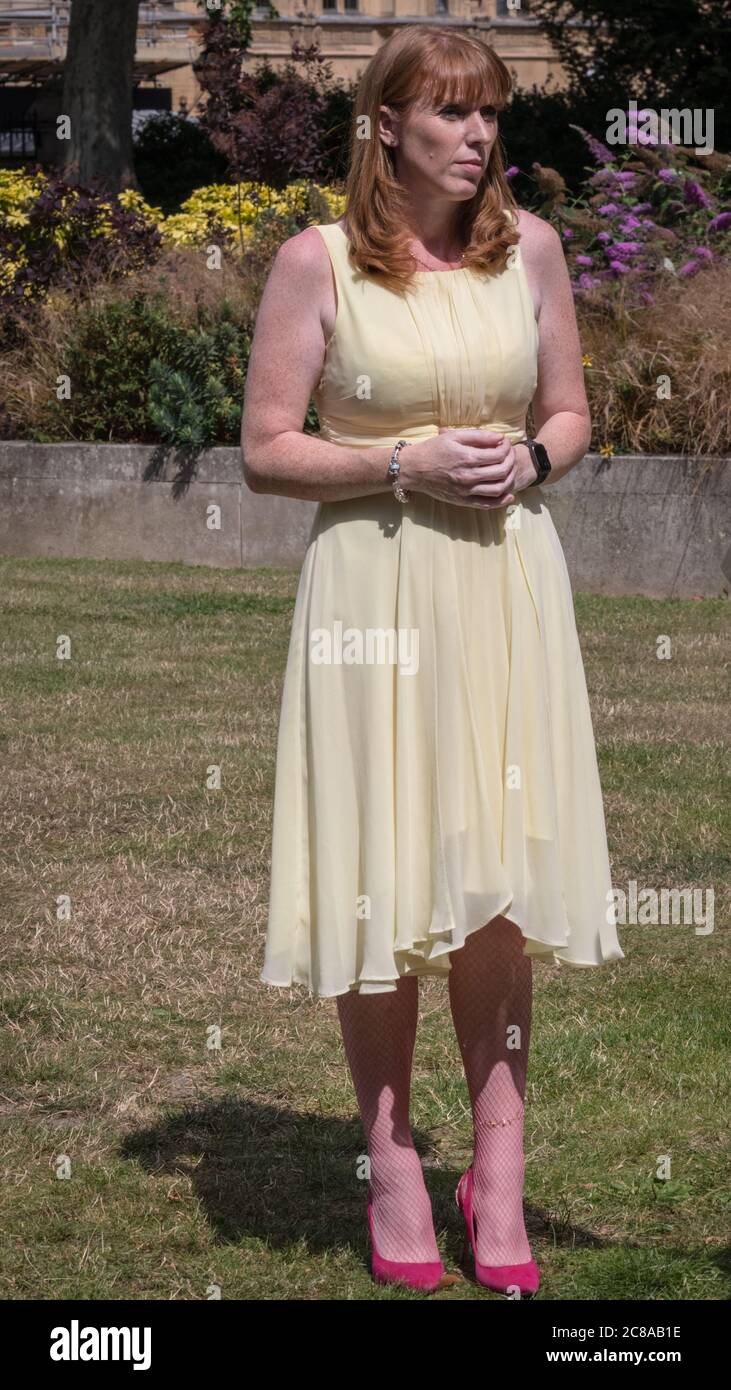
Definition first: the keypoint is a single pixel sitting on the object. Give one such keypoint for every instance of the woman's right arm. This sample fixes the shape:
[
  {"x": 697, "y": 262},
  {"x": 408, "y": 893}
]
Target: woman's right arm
[{"x": 285, "y": 365}]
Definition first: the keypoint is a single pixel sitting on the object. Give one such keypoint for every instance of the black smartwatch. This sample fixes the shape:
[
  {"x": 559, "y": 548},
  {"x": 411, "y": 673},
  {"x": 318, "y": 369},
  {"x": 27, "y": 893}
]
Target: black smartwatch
[{"x": 539, "y": 455}]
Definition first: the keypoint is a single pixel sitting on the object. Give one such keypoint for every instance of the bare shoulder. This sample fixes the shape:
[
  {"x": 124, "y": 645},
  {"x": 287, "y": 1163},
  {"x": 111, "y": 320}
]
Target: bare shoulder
[
  {"x": 300, "y": 281},
  {"x": 540, "y": 241},
  {"x": 304, "y": 253}
]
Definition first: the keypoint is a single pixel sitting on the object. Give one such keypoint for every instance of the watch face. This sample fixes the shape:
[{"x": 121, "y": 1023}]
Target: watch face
[{"x": 541, "y": 456}]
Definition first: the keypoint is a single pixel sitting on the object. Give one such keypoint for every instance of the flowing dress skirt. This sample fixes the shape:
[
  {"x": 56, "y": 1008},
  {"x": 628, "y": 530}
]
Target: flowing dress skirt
[{"x": 436, "y": 762}]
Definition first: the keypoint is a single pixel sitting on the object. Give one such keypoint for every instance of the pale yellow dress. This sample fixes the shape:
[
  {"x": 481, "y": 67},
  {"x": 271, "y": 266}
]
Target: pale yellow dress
[{"x": 436, "y": 763}]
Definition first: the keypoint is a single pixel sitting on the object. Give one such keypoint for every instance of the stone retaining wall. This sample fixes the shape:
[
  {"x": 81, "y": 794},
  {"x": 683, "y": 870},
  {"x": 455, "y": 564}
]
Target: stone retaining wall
[{"x": 628, "y": 525}]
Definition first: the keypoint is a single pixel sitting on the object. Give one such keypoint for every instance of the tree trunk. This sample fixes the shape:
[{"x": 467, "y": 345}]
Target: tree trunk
[{"x": 97, "y": 93}]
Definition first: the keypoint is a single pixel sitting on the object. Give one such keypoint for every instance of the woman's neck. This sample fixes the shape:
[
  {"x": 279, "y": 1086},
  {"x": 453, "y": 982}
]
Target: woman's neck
[{"x": 435, "y": 232}]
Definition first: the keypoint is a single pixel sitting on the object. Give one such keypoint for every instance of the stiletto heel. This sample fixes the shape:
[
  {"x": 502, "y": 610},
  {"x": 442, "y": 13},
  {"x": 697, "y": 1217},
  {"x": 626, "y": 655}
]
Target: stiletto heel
[
  {"x": 425, "y": 1275},
  {"x": 500, "y": 1278}
]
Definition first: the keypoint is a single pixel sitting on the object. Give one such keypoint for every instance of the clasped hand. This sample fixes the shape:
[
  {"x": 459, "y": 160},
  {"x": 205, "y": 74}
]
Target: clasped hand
[{"x": 468, "y": 467}]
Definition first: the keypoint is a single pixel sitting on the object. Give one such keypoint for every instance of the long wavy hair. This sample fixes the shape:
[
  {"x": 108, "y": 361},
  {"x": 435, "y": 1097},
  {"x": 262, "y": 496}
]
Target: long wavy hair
[{"x": 426, "y": 66}]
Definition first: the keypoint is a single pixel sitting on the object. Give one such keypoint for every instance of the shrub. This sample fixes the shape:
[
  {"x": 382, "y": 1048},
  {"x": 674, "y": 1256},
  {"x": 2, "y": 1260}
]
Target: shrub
[
  {"x": 644, "y": 214},
  {"x": 536, "y": 130},
  {"x": 106, "y": 353},
  {"x": 197, "y": 387},
  {"x": 267, "y": 124},
  {"x": 682, "y": 337},
  {"x": 174, "y": 156},
  {"x": 239, "y": 213},
  {"x": 56, "y": 234},
  {"x": 161, "y": 359}
]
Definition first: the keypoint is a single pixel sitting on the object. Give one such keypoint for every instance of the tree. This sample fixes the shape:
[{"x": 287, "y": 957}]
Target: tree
[
  {"x": 97, "y": 93},
  {"x": 268, "y": 125},
  {"x": 672, "y": 53}
]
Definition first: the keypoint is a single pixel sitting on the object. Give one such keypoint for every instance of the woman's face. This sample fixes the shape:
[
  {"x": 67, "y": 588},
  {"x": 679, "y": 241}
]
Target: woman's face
[{"x": 441, "y": 149}]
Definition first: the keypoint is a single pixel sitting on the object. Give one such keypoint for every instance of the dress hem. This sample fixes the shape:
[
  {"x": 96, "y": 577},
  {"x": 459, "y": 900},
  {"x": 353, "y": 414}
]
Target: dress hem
[{"x": 547, "y": 956}]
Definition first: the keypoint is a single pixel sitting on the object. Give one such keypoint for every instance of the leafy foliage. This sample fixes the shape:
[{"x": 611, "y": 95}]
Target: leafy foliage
[
  {"x": 671, "y": 53},
  {"x": 196, "y": 391},
  {"x": 644, "y": 214},
  {"x": 108, "y": 358},
  {"x": 273, "y": 126},
  {"x": 55, "y": 235},
  {"x": 173, "y": 157},
  {"x": 67, "y": 235}
]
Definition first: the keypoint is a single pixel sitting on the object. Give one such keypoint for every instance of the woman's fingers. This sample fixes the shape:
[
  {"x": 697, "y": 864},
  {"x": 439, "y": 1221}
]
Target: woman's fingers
[
  {"x": 498, "y": 491},
  {"x": 474, "y": 438},
  {"x": 503, "y": 470},
  {"x": 488, "y": 504},
  {"x": 494, "y": 484},
  {"x": 488, "y": 458},
  {"x": 486, "y": 474}
]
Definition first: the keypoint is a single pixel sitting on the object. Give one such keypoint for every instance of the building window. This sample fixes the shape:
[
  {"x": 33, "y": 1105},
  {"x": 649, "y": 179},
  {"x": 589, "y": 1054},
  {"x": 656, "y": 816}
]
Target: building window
[
  {"x": 513, "y": 11},
  {"x": 441, "y": 6},
  {"x": 329, "y": 4},
  {"x": 351, "y": 5}
]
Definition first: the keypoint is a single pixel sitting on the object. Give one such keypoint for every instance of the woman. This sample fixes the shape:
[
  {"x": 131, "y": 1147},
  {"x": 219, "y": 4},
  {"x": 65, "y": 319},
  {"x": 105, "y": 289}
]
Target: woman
[{"x": 437, "y": 806}]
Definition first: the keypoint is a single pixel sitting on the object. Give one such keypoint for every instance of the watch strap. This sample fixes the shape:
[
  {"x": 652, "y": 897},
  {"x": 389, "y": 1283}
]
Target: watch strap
[{"x": 541, "y": 461}]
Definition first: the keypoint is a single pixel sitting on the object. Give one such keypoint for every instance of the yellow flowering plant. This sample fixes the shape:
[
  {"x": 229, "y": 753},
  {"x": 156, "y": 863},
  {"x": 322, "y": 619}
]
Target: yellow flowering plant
[{"x": 46, "y": 226}]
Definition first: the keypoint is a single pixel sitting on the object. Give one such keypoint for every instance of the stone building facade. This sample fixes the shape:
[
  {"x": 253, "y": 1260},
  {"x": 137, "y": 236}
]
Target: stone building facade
[{"x": 33, "y": 40}]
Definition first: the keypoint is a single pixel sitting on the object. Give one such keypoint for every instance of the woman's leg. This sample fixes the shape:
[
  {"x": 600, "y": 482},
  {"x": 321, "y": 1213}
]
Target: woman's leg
[
  {"x": 379, "y": 1032},
  {"x": 490, "y": 995}
]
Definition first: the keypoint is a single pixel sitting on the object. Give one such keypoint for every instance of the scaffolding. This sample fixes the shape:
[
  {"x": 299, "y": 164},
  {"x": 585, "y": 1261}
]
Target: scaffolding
[{"x": 160, "y": 21}]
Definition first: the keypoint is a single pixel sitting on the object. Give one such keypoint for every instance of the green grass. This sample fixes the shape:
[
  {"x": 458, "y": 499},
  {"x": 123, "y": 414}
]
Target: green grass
[{"x": 237, "y": 1166}]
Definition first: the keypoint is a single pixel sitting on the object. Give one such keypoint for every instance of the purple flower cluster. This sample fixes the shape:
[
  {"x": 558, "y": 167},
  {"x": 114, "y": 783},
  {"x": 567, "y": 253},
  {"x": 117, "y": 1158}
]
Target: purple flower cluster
[{"x": 644, "y": 223}]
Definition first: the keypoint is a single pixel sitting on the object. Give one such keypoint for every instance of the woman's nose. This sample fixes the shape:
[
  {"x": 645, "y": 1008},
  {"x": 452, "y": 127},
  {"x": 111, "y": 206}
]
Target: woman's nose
[{"x": 479, "y": 128}]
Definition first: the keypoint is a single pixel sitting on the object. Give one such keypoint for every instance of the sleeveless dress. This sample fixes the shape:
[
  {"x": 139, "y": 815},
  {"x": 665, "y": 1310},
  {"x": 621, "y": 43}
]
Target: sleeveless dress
[{"x": 436, "y": 764}]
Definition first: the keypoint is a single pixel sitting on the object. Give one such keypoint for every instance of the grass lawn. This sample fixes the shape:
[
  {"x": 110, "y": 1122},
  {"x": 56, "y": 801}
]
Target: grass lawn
[{"x": 194, "y": 1166}]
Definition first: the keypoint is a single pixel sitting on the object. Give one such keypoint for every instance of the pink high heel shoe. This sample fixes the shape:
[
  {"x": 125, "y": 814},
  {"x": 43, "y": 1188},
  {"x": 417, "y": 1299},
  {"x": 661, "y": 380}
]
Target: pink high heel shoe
[
  {"x": 500, "y": 1278},
  {"x": 426, "y": 1275}
]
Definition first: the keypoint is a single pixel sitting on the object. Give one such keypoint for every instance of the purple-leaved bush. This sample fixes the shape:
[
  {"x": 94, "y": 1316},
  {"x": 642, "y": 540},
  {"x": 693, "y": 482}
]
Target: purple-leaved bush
[{"x": 72, "y": 234}]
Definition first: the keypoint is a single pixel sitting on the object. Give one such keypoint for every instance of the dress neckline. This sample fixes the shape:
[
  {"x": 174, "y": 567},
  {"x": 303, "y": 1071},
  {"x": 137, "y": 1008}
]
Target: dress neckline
[{"x": 456, "y": 270}]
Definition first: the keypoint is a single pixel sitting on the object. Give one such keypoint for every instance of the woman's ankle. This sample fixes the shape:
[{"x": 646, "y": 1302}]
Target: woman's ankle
[{"x": 402, "y": 1212}]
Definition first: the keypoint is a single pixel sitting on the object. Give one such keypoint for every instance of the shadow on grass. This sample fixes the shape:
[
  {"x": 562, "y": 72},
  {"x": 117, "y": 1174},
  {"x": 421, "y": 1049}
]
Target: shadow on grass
[{"x": 283, "y": 1177}]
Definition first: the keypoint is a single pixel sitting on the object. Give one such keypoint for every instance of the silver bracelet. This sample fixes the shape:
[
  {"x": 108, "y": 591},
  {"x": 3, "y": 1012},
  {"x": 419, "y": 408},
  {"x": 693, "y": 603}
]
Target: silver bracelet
[{"x": 394, "y": 469}]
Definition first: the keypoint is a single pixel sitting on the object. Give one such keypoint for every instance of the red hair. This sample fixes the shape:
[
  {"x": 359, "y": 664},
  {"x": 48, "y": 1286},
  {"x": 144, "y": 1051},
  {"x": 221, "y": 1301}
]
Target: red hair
[{"x": 421, "y": 65}]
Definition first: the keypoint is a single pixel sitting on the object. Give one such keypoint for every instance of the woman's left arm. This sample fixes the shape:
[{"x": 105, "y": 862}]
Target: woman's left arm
[{"x": 560, "y": 406}]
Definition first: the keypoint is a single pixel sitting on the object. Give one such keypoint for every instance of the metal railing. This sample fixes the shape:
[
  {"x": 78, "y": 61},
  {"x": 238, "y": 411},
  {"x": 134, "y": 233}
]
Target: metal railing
[{"x": 19, "y": 138}]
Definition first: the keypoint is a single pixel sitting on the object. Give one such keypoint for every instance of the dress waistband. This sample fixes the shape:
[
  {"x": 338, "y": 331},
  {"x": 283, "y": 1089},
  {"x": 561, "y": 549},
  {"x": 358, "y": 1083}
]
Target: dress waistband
[{"x": 514, "y": 433}]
